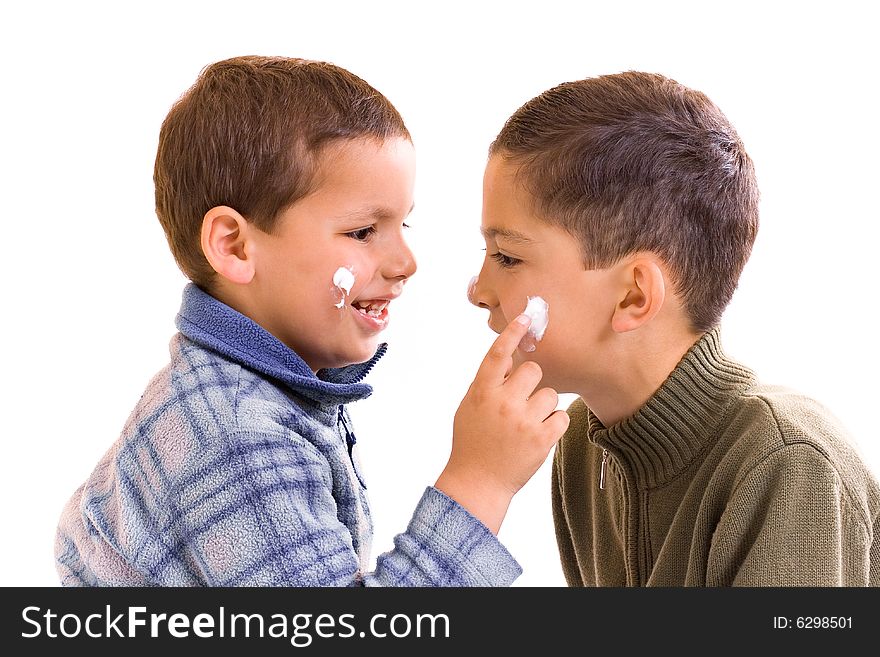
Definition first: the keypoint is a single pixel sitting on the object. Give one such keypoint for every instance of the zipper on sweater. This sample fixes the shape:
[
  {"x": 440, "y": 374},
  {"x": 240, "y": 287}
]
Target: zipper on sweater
[
  {"x": 350, "y": 438},
  {"x": 602, "y": 469}
]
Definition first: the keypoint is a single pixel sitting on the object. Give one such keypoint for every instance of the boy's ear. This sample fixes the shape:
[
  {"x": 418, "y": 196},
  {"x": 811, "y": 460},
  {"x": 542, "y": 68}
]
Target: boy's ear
[
  {"x": 643, "y": 294},
  {"x": 226, "y": 245}
]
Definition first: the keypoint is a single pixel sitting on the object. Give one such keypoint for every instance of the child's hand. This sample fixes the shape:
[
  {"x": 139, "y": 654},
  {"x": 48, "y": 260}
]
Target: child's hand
[{"x": 503, "y": 431}]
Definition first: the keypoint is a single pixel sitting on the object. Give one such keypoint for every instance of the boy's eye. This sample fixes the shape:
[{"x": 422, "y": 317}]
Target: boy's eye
[
  {"x": 505, "y": 260},
  {"x": 362, "y": 234}
]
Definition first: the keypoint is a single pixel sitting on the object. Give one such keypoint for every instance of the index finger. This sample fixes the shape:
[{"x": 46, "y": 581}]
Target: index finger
[{"x": 498, "y": 361}]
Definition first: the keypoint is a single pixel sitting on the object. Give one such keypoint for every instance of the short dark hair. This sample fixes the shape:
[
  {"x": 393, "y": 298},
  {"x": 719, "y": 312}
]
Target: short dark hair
[
  {"x": 638, "y": 162},
  {"x": 248, "y": 134}
]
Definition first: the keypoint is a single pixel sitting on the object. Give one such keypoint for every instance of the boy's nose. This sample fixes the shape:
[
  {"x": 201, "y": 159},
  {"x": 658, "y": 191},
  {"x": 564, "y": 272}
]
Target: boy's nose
[
  {"x": 403, "y": 264},
  {"x": 477, "y": 294}
]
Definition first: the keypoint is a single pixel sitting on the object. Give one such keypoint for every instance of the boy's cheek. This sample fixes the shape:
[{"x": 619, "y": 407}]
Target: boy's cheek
[{"x": 344, "y": 279}]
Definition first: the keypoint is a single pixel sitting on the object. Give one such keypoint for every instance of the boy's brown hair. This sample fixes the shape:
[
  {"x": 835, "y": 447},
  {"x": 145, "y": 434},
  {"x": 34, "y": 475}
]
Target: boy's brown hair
[
  {"x": 638, "y": 162},
  {"x": 248, "y": 134}
]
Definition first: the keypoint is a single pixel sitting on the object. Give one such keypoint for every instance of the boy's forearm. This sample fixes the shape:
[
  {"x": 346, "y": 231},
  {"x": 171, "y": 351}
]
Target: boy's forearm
[
  {"x": 488, "y": 503},
  {"x": 502, "y": 431}
]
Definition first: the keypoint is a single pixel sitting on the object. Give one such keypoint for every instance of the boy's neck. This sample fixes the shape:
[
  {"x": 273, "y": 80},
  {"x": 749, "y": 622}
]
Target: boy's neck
[{"x": 640, "y": 366}]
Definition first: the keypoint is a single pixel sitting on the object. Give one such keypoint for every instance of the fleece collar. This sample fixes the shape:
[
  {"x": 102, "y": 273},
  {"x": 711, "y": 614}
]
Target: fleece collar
[{"x": 214, "y": 325}]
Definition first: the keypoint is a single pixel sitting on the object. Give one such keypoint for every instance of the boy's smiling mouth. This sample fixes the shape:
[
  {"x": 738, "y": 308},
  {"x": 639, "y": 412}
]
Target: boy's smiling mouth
[{"x": 372, "y": 314}]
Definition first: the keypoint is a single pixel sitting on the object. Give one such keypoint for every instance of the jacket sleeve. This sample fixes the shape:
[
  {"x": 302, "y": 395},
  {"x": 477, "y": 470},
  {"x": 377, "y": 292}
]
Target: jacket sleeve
[
  {"x": 296, "y": 538},
  {"x": 288, "y": 532},
  {"x": 444, "y": 545},
  {"x": 790, "y": 522},
  {"x": 255, "y": 510}
]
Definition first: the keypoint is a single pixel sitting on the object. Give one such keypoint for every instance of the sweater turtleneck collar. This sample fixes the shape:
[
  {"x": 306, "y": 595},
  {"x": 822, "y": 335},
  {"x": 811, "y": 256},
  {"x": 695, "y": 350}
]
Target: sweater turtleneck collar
[{"x": 674, "y": 426}]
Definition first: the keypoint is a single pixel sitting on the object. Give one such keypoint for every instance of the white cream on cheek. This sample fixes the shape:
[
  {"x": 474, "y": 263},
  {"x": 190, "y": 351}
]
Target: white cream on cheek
[
  {"x": 539, "y": 312},
  {"x": 343, "y": 281},
  {"x": 536, "y": 308}
]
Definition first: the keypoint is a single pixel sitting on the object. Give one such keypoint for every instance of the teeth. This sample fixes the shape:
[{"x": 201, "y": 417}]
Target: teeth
[{"x": 373, "y": 308}]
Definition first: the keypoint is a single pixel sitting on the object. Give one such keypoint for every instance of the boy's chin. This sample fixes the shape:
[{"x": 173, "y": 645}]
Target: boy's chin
[{"x": 360, "y": 355}]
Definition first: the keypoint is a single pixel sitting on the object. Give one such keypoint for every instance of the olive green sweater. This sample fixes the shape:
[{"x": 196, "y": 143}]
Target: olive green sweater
[{"x": 716, "y": 481}]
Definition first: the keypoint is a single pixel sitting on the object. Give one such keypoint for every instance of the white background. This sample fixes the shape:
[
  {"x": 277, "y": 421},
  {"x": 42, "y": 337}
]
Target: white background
[{"x": 90, "y": 289}]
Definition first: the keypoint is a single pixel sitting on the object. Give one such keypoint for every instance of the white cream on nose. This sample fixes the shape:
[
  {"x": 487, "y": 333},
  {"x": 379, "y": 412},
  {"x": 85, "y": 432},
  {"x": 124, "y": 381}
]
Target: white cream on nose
[{"x": 471, "y": 287}]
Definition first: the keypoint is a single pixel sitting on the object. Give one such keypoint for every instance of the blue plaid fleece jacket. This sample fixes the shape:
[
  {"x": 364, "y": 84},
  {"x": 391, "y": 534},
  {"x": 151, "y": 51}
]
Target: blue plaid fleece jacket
[{"x": 238, "y": 467}]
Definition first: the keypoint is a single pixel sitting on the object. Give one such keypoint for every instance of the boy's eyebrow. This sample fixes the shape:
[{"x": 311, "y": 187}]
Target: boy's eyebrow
[
  {"x": 375, "y": 212},
  {"x": 507, "y": 233}
]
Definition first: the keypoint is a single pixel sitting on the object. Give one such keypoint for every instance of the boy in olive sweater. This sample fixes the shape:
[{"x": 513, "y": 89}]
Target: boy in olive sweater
[{"x": 628, "y": 203}]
